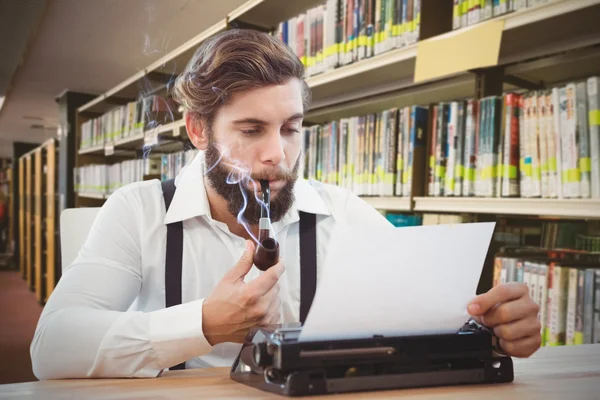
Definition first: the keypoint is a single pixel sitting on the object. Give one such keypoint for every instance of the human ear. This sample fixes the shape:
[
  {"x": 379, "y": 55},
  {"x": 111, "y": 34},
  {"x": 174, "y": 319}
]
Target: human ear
[{"x": 197, "y": 131}]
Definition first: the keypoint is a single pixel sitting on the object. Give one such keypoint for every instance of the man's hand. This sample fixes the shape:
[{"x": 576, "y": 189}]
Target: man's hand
[
  {"x": 513, "y": 315},
  {"x": 234, "y": 306}
]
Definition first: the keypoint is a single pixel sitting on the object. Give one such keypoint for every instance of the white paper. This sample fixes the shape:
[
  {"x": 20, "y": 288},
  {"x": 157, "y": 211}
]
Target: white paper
[{"x": 402, "y": 281}]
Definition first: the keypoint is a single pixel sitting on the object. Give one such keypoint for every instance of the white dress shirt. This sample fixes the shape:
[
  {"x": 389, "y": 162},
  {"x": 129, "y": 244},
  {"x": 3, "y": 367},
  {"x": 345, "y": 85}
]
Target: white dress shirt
[{"x": 107, "y": 315}]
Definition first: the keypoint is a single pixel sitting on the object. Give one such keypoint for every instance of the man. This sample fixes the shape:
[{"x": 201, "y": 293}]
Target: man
[{"x": 244, "y": 99}]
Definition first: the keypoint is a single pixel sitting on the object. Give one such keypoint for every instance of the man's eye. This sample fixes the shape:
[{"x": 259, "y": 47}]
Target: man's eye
[
  {"x": 291, "y": 130},
  {"x": 249, "y": 131}
]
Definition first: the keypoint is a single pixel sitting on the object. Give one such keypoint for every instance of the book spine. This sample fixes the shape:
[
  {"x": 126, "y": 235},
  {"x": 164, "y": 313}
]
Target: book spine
[
  {"x": 583, "y": 139},
  {"x": 593, "y": 91},
  {"x": 432, "y": 147},
  {"x": 596, "y": 329},
  {"x": 543, "y": 287},
  {"x": 400, "y": 153},
  {"x": 571, "y": 306},
  {"x": 460, "y": 145},
  {"x": 451, "y": 144},
  {"x": 578, "y": 339},
  {"x": 470, "y": 156}
]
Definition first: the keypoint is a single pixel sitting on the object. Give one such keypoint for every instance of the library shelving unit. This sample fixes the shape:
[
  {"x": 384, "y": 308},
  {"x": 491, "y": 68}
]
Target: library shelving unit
[
  {"x": 6, "y": 186},
  {"x": 39, "y": 257},
  {"x": 540, "y": 45}
]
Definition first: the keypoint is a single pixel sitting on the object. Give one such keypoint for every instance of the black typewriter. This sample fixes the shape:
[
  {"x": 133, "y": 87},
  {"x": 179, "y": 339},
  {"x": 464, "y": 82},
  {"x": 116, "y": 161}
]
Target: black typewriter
[{"x": 275, "y": 361}]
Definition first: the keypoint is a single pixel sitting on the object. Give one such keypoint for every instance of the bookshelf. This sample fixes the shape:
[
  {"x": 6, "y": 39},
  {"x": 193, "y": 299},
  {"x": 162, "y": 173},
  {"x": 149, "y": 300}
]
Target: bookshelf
[
  {"x": 6, "y": 232},
  {"x": 22, "y": 214},
  {"x": 548, "y": 44},
  {"x": 38, "y": 261},
  {"x": 11, "y": 210}
]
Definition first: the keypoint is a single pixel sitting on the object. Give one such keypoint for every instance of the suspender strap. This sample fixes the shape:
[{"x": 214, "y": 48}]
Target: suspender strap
[
  {"x": 308, "y": 262},
  {"x": 174, "y": 256}
]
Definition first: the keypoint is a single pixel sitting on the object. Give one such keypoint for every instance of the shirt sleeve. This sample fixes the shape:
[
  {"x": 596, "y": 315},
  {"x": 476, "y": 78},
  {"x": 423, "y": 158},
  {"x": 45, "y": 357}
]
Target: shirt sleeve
[{"x": 86, "y": 329}]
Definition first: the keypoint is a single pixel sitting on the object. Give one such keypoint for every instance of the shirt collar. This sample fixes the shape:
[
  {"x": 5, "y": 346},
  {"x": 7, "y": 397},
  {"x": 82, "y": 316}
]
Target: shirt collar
[{"x": 190, "y": 199}]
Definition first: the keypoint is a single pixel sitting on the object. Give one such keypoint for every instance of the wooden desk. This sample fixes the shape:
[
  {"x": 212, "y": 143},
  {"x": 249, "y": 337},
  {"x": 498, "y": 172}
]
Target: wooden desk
[{"x": 552, "y": 373}]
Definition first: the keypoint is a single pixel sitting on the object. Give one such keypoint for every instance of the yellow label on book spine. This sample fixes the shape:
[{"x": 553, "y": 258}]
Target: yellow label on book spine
[
  {"x": 552, "y": 164},
  {"x": 572, "y": 175},
  {"x": 388, "y": 179},
  {"x": 488, "y": 173},
  {"x": 470, "y": 174},
  {"x": 405, "y": 177},
  {"x": 362, "y": 40},
  {"x": 331, "y": 50},
  {"x": 594, "y": 117},
  {"x": 440, "y": 171},
  {"x": 585, "y": 164},
  {"x": 431, "y": 162},
  {"x": 459, "y": 171},
  {"x": 510, "y": 171},
  {"x": 465, "y": 7},
  {"x": 457, "y": 10},
  {"x": 537, "y": 173}
]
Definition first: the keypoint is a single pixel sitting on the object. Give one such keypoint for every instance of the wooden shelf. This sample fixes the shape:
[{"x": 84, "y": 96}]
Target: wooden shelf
[
  {"x": 269, "y": 13},
  {"x": 92, "y": 150},
  {"x": 389, "y": 203},
  {"x": 137, "y": 142},
  {"x": 577, "y": 208},
  {"x": 90, "y": 195}
]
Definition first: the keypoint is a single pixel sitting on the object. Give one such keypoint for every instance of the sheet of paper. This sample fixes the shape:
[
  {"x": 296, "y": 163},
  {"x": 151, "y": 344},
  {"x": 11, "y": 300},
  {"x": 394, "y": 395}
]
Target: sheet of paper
[
  {"x": 477, "y": 46},
  {"x": 401, "y": 281}
]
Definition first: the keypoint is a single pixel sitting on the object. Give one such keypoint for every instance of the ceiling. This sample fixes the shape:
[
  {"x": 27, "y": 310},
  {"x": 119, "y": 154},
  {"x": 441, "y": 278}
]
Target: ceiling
[{"x": 49, "y": 46}]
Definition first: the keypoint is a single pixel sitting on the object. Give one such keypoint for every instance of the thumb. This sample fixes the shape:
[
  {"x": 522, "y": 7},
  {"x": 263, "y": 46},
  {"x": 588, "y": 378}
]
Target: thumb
[{"x": 244, "y": 264}]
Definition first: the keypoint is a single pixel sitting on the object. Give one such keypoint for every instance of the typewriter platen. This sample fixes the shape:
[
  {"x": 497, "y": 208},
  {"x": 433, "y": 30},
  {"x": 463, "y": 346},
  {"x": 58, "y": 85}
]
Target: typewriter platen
[{"x": 274, "y": 360}]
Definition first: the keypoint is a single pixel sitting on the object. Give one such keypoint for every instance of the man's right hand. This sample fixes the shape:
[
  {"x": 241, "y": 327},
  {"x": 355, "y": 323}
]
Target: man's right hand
[{"x": 235, "y": 306}]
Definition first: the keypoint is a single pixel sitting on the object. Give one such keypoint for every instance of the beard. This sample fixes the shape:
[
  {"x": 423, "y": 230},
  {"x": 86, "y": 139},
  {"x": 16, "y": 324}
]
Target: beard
[{"x": 236, "y": 194}]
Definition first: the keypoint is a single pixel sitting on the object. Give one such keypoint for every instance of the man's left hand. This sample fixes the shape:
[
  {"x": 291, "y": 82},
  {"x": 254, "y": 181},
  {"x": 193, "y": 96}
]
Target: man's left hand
[{"x": 513, "y": 315}]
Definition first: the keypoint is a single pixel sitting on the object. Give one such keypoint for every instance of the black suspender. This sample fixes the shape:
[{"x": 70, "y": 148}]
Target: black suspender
[
  {"x": 174, "y": 254},
  {"x": 308, "y": 262},
  {"x": 173, "y": 262}
]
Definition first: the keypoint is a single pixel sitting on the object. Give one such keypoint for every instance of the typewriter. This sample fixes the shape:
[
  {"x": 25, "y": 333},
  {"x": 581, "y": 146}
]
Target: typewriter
[{"x": 272, "y": 359}]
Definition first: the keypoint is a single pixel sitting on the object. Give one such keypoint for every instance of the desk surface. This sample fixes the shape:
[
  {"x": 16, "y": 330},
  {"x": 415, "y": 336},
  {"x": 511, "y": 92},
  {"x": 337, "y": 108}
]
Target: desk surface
[{"x": 571, "y": 372}]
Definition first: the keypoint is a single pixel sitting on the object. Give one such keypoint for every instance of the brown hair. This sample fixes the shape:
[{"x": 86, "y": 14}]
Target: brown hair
[{"x": 233, "y": 61}]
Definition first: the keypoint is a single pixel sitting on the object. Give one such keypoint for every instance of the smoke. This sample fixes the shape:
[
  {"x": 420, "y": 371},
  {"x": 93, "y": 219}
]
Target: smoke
[{"x": 161, "y": 110}]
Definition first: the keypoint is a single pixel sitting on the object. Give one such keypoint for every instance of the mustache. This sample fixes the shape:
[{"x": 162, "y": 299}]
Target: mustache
[{"x": 273, "y": 176}]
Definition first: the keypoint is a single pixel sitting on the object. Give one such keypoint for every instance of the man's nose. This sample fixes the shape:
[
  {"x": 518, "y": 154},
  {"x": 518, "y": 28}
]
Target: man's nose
[{"x": 271, "y": 150}]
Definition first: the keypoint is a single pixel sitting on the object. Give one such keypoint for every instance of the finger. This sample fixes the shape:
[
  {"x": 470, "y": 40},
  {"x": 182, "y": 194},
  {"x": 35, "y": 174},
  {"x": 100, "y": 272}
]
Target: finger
[
  {"x": 508, "y": 312},
  {"x": 523, "y": 347},
  {"x": 519, "y": 329},
  {"x": 261, "y": 310},
  {"x": 272, "y": 316},
  {"x": 244, "y": 264},
  {"x": 267, "y": 280},
  {"x": 498, "y": 294},
  {"x": 265, "y": 302}
]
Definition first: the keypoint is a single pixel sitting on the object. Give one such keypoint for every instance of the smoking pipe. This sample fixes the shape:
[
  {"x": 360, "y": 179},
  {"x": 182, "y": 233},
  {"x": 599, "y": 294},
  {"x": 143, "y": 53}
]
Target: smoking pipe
[{"x": 267, "y": 249}]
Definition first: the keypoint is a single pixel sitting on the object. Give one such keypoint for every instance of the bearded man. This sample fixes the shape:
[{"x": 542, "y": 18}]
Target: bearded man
[{"x": 157, "y": 287}]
